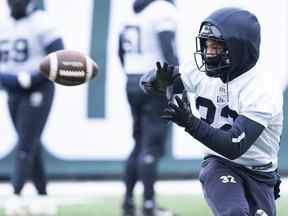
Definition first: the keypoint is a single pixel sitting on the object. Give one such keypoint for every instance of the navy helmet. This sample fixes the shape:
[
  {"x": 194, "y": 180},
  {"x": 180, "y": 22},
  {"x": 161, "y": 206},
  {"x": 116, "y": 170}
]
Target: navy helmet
[
  {"x": 140, "y": 5},
  {"x": 212, "y": 65},
  {"x": 21, "y": 8},
  {"x": 238, "y": 31}
]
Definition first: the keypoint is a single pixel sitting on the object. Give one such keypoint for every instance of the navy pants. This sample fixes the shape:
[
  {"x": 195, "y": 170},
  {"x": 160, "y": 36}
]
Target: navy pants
[
  {"x": 236, "y": 191},
  {"x": 149, "y": 133},
  {"x": 29, "y": 111}
]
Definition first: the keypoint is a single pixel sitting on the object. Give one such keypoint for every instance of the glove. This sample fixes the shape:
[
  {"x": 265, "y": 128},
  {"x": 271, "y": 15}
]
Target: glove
[
  {"x": 166, "y": 75},
  {"x": 160, "y": 81},
  {"x": 182, "y": 114},
  {"x": 24, "y": 79}
]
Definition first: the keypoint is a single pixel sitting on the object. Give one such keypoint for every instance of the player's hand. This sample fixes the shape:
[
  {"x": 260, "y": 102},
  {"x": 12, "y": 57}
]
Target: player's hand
[
  {"x": 160, "y": 81},
  {"x": 179, "y": 113},
  {"x": 24, "y": 79},
  {"x": 148, "y": 85},
  {"x": 165, "y": 75}
]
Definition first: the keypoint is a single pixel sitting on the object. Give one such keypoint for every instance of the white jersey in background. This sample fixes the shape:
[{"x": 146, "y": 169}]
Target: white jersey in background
[
  {"x": 246, "y": 95},
  {"x": 22, "y": 42},
  {"x": 141, "y": 43}
]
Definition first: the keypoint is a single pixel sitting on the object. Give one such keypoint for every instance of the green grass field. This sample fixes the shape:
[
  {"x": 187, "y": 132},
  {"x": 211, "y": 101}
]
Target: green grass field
[{"x": 183, "y": 205}]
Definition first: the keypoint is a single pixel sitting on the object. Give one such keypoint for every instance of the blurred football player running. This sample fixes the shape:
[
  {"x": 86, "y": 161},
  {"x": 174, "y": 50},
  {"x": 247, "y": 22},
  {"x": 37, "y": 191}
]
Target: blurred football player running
[
  {"x": 241, "y": 114},
  {"x": 25, "y": 39},
  {"x": 148, "y": 35}
]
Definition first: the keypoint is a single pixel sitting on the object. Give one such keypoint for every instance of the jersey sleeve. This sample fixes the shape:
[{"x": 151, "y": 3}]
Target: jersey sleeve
[
  {"x": 46, "y": 29},
  {"x": 190, "y": 75},
  {"x": 165, "y": 16},
  {"x": 260, "y": 103}
]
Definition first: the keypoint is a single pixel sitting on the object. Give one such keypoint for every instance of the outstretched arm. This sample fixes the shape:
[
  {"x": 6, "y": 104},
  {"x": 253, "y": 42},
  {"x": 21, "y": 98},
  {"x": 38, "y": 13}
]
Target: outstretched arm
[{"x": 231, "y": 143}]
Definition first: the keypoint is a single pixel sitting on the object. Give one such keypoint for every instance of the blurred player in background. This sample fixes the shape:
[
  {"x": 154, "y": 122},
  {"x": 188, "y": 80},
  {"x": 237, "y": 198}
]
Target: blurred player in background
[
  {"x": 241, "y": 116},
  {"x": 25, "y": 39},
  {"x": 148, "y": 35}
]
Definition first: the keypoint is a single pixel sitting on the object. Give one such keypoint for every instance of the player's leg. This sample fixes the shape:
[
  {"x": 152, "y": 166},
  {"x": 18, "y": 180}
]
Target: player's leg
[
  {"x": 14, "y": 102},
  {"x": 260, "y": 196},
  {"x": 223, "y": 189},
  {"x": 131, "y": 175},
  {"x": 153, "y": 140},
  {"x": 131, "y": 168},
  {"x": 40, "y": 106},
  {"x": 130, "y": 180},
  {"x": 30, "y": 121},
  {"x": 22, "y": 162},
  {"x": 38, "y": 173}
]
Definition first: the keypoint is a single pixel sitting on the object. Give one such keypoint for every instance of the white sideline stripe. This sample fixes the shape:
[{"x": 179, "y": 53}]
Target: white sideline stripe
[
  {"x": 95, "y": 188},
  {"x": 53, "y": 66}
]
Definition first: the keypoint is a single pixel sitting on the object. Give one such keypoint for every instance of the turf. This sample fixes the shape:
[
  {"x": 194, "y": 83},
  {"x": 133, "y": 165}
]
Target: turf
[
  {"x": 183, "y": 205},
  {"x": 110, "y": 206}
]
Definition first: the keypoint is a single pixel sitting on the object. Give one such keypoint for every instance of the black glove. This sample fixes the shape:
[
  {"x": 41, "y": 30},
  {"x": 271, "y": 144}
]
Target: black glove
[
  {"x": 181, "y": 114},
  {"x": 160, "y": 81},
  {"x": 166, "y": 75}
]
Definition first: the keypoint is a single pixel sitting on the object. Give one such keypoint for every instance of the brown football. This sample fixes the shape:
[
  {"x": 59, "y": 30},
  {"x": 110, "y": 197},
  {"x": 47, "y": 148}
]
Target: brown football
[{"x": 68, "y": 67}]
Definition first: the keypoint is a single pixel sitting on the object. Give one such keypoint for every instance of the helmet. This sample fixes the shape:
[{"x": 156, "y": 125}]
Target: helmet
[
  {"x": 216, "y": 64},
  {"x": 139, "y": 5},
  {"x": 21, "y": 8}
]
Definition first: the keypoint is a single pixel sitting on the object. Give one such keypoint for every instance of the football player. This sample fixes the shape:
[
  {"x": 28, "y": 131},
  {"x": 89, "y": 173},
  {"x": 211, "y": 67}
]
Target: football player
[
  {"x": 148, "y": 35},
  {"x": 241, "y": 114},
  {"x": 25, "y": 39}
]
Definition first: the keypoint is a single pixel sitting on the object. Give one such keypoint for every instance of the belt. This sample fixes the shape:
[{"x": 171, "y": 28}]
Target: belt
[{"x": 256, "y": 167}]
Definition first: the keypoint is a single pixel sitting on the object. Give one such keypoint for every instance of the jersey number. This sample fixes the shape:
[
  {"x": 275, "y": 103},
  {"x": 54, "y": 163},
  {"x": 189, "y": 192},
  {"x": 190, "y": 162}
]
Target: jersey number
[
  {"x": 226, "y": 112},
  {"x": 19, "y": 51},
  {"x": 228, "y": 179}
]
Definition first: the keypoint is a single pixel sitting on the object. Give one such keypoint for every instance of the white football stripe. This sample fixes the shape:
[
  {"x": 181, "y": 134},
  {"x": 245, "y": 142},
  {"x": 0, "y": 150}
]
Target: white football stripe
[
  {"x": 89, "y": 65},
  {"x": 53, "y": 66}
]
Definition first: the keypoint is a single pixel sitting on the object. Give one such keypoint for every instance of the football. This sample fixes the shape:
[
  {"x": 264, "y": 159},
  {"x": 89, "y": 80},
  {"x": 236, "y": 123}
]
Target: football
[{"x": 68, "y": 67}]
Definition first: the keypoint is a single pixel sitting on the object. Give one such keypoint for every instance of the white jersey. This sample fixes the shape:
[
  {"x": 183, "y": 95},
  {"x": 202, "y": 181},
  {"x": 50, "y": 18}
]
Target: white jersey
[
  {"x": 141, "y": 43},
  {"x": 248, "y": 95},
  {"x": 22, "y": 42}
]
